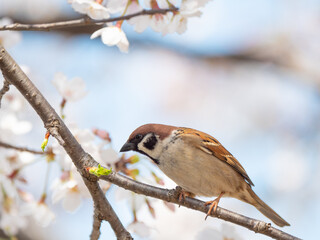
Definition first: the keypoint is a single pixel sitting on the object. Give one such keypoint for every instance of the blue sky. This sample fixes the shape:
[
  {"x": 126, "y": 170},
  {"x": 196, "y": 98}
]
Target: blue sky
[{"x": 259, "y": 112}]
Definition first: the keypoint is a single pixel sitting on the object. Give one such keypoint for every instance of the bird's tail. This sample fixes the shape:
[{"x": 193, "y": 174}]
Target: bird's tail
[{"x": 265, "y": 209}]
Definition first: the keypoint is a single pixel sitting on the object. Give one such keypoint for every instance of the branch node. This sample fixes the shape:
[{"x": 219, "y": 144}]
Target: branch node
[
  {"x": 5, "y": 89},
  {"x": 53, "y": 127},
  {"x": 87, "y": 162},
  {"x": 178, "y": 191},
  {"x": 260, "y": 227},
  {"x": 173, "y": 193}
]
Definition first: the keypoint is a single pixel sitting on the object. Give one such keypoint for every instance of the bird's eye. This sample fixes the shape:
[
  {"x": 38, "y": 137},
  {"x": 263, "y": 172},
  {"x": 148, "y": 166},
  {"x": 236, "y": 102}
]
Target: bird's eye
[{"x": 138, "y": 136}]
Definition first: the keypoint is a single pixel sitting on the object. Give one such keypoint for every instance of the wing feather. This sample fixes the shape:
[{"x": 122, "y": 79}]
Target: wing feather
[{"x": 210, "y": 145}]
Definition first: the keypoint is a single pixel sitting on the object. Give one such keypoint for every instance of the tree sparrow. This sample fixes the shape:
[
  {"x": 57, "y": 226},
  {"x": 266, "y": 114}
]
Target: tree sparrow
[{"x": 199, "y": 164}]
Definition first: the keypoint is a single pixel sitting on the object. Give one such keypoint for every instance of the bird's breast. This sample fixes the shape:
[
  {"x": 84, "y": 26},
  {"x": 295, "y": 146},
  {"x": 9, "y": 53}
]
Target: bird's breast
[{"x": 197, "y": 171}]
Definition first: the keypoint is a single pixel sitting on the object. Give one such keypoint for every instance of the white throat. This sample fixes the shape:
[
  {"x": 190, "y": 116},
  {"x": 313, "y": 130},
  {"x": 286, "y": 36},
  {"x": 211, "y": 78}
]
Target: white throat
[{"x": 156, "y": 152}]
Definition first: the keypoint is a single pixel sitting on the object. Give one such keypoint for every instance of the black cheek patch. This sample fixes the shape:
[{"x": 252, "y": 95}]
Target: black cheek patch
[{"x": 151, "y": 142}]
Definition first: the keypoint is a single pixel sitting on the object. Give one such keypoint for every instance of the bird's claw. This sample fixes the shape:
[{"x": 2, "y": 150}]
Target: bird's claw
[
  {"x": 213, "y": 205},
  {"x": 182, "y": 194}
]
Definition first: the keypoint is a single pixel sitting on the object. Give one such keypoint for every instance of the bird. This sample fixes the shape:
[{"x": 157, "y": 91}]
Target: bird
[{"x": 199, "y": 164}]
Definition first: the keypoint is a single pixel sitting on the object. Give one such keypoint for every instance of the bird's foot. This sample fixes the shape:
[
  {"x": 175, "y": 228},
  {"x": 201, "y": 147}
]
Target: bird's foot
[
  {"x": 213, "y": 205},
  {"x": 182, "y": 194}
]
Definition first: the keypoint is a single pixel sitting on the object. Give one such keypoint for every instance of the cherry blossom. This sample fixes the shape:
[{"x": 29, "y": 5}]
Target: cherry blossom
[
  {"x": 71, "y": 90},
  {"x": 15, "y": 161},
  {"x": 13, "y": 101},
  {"x": 116, "y": 6},
  {"x": 102, "y": 152},
  {"x": 179, "y": 19},
  {"x": 8, "y": 191},
  {"x": 70, "y": 188},
  {"x": 157, "y": 22},
  {"x": 140, "y": 23},
  {"x": 139, "y": 228},
  {"x": 12, "y": 220},
  {"x": 11, "y": 123},
  {"x": 67, "y": 191},
  {"x": 165, "y": 23},
  {"x": 93, "y": 9},
  {"x": 40, "y": 211},
  {"x": 113, "y": 35},
  {"x": 136, "y": 201}
]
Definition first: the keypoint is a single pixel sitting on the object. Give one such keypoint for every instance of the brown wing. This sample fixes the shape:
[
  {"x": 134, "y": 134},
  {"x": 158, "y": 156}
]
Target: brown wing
[{"x": 212, "y": 146}]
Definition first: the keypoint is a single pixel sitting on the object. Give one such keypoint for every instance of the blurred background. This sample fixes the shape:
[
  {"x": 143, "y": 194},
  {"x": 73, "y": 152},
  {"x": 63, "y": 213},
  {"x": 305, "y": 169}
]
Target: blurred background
[{"x": 246, "y": 72}]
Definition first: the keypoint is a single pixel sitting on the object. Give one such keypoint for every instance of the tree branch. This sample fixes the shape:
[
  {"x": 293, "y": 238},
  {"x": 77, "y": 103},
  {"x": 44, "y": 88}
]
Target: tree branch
[
  {"x": 80, "y": 22},
  {"x": 95, "y": 234},
  {"x": 82, "y": 160},
  {"x": 54, "y": 124},
  {"x": 4, "y": 89},
  {"x": 21, "y": 149},
  {"x": 172, "y": 196}
]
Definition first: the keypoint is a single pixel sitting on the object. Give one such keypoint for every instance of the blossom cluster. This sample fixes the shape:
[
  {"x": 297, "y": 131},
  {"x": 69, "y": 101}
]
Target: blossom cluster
[
  {"x": 18, "y": 204},
  {"x": 165, "y": 23}
]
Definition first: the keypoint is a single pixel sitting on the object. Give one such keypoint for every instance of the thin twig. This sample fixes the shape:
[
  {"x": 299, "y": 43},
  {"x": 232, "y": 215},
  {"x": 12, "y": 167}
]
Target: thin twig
[
  {"x": 172, "y": 196},
  {"x": 21, "y": 149},
  {"x": 79, "y": 22},
  {"x": 54, "y": 124},
  {"x": 95, "y": 233},
  {"x": 4, "y": 89}
]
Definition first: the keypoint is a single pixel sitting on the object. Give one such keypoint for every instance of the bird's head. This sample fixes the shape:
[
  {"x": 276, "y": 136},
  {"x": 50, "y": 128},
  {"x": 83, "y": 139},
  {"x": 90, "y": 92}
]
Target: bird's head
[{"x": 149, "y": 140}]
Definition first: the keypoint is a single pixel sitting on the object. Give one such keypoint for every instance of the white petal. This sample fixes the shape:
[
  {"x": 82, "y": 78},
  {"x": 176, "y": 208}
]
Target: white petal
[
  {"x": 22, "y": 127},
  {"x": 97, "y": 33},
  {"x": 111, "y": 36},
  {"x": 43, "y": 215},
  {"x": 70, "y": 90},
  {"x": 11, "y": 222},
  {"x": 72, "y": 201},
  {"x": 116, "y": 6},
  {"x": 59, "y": 81},
  {"x": 91, "y": 8},
  {"x": 78, "y": 87},
  {"x": 80, "y": 6},
  {"x": 26, "y": 157},
  {"x": 158, "y": 22},
  {"x": 140, "y": 23},
  {"x": 10, "y": 122},
  {"x": 98, "y": 12},
  {"x": 123, "y": 44},
  {"x": 140, "y": 229},
  {"x": 58, "y": 191}
]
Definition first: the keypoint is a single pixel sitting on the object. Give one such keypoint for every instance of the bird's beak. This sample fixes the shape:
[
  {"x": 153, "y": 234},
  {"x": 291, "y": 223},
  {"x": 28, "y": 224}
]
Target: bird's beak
[{"x": 128, "y": 146}]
